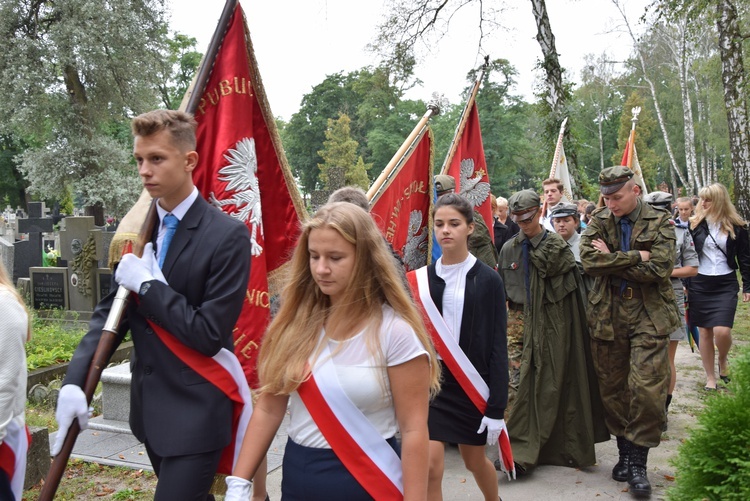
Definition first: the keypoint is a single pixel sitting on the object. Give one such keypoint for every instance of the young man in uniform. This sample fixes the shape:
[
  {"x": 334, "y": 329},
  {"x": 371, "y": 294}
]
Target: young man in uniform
[
  {"x": 630, "y": 248},
  {"x": 192, "y": 286},
  {"x": 553, "y": 192}
]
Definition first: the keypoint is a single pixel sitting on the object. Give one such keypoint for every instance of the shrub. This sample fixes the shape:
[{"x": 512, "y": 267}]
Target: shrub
[{"x": 714, "y": 462}]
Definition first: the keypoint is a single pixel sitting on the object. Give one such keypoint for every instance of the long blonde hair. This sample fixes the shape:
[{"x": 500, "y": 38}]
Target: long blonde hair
[
  {"x": 8, "y": 284},
  {"x": 721, "y": 211},
  {"x": 293, "y": 334}
]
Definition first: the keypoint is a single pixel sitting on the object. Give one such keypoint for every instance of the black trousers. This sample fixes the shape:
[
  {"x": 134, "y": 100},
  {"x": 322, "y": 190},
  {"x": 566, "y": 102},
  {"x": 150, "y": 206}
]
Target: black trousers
[
  {"x": 187, "y": 478},
  {"x": 5, "y": 493}
]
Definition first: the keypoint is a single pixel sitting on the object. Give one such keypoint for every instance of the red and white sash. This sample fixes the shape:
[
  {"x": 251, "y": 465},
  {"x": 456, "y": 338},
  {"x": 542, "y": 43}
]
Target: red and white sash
[
  {"x": 224, "y": 371},
  {"x": 354, "y": 440},
  {"x": 13, "y": 453},
  {"x": 445, "y": 344}
]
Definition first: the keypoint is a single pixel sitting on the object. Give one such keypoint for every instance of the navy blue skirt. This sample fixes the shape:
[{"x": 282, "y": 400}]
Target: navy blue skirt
[
  {"x": 712, "y": 300},
  {"x": 310, "y": 474}
]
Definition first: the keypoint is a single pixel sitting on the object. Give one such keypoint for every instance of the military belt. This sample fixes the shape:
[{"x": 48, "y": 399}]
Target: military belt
[{"x": 628, "y": 293}]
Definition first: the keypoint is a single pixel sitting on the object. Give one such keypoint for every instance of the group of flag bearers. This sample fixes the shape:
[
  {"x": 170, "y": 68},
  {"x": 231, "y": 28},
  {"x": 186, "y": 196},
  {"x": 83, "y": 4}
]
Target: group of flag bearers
[{"x": 349, "y": 352}]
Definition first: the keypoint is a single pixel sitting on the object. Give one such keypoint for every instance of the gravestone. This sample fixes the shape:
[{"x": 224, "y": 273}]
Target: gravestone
[
  {"x": 37, "y": 223},
  {"x": 106, "y": 240},
  {"x": 80, "y": 246},
  {"x": 6, "y": 255},
  {"x": 103, "y": 283},
  {"x": 21, "y": 259},
  {"x": 49, "y": 288}
]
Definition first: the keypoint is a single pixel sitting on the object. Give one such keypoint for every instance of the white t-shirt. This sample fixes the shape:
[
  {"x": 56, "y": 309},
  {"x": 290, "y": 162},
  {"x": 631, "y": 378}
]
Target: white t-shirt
[
  {"x": 13, "y": 333},
  {"x": 362, "y": 379}
]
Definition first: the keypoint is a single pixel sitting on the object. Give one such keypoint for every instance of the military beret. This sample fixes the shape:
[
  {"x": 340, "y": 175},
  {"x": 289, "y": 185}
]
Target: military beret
[
  {"x": 564, "y": 210},
  {"x": 443, "y": 183},
  {"x": 659, "y": 198},
  {"x": 522, "y": 204},
  {"x": 612, "y": 179}
]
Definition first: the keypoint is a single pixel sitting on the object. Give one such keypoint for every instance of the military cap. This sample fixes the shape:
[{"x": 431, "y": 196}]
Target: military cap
[
  {"x": 564, "y": 210},
  {"x": 444, "y": 183},
  {"x": 523, "y": 205},
  {"x": 612, "y": 179},
  {"x": 659, "y": 199}
]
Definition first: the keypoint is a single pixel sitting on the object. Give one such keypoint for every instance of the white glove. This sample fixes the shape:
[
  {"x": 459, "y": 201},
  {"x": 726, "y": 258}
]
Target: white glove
[
  {"x": 238, "y": 489},
  {"x": 71, "y": 404},
  {"x": 133, "y": 271},
  {"x": 494, "y": 427}
]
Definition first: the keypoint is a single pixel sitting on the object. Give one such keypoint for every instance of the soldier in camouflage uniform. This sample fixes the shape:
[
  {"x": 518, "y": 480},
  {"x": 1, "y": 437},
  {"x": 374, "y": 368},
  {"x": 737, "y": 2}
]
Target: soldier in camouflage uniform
[{"x": 632, "y": 311}]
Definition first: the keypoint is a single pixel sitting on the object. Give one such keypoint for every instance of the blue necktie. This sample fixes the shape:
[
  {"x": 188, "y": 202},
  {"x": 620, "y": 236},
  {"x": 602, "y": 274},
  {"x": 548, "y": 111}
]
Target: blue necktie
[
  {"x": 527, "y": 269},
  {"x": 626, "y": 230},
  {"x": 170, "y": 222}
]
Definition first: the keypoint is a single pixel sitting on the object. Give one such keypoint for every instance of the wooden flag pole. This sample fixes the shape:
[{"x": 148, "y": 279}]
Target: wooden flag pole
[
  {"x": 464, "y": 117},
  {"x": 403, "y": 153}
]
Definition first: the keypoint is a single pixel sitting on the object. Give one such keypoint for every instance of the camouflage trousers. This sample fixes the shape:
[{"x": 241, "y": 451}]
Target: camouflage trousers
[
  {"x": 633, "y": 373},
  {"x": 515, "y": 351}
]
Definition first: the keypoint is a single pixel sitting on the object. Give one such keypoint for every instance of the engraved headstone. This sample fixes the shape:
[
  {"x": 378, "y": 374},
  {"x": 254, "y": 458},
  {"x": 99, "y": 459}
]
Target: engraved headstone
[
  {"x": 49, "y": 288},
  {"x": 80, "y": 247},
  {"x": 37, "y": 223}
]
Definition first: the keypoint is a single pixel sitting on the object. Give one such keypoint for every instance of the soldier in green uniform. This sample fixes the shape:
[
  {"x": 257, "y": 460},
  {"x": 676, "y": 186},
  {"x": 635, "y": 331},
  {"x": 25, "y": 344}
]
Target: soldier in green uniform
[
  {"x": 551, "y": 375},
  {"x": 481, "y": 245},
  {"x": 630, "y": 248}
]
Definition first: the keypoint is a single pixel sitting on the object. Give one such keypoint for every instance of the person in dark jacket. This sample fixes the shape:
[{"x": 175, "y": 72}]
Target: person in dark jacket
[{"x": 721, "y": 241}]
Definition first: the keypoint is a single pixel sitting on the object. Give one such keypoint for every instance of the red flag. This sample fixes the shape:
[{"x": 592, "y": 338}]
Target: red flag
[
  {"x": 469, "y": 169},
  {"x": 402, "y": 209},
  {"x": 627, "y": 155},
  {"x": 242, "y": 170}
]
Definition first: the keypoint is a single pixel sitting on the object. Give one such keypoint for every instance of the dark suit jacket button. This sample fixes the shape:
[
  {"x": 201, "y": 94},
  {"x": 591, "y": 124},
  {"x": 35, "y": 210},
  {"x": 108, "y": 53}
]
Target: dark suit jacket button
[
  {"x": 149, "y": 330},
  {"x": 147, "y": 370}
]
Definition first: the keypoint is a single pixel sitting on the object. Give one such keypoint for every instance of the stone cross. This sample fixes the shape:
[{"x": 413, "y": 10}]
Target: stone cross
[{"x": 30, "y": 253}]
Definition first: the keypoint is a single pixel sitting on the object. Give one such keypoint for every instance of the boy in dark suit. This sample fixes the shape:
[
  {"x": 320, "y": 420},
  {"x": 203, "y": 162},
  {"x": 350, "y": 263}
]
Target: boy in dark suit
[{"x": 191, "y": 286}]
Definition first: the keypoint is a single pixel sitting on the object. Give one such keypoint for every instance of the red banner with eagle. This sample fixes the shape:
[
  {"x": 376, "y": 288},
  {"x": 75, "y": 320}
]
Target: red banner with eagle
[
  {"x": 469, "y": 168},
  {"x": 402, "y": 208},
  {"x": 243, "y": 171}
]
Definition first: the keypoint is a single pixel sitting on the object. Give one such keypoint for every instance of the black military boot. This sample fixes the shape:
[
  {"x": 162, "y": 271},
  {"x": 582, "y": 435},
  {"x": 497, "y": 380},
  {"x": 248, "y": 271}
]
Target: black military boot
[
  {"x": 620, "y": 471},
  {"x": 637, "y": 479}
]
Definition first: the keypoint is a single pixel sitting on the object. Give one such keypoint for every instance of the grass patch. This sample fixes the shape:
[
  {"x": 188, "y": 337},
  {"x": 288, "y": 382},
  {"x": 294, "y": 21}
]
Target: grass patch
[{"x": 52, "y": 341}]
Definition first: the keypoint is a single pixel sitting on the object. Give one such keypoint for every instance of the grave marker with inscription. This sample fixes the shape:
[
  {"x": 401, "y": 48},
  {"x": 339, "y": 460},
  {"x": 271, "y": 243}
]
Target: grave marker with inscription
[{"x": 49, "y": 288}]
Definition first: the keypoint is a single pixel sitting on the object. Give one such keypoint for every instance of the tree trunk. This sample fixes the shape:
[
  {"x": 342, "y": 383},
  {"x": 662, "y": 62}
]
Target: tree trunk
[
  {"x": 600, "y": 119},
  {"x": 555, "y": 86},
  {"x": 687, "y": 109},
  {"x": 652, "y": 87},
  {"x": 733, "y": 79}
]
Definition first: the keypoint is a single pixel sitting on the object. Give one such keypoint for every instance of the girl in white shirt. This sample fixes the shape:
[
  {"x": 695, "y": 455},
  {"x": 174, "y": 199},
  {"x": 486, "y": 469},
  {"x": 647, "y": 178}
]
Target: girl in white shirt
[
  {"x": 14, "y": 333},
  {"x": 345, "y": 308}
]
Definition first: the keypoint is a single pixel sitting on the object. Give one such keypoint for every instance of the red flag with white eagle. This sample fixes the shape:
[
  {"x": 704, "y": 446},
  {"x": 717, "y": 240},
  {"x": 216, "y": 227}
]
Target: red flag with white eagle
[
  {"x": 243, "y": 171},
  {"x": 402, "y": 207},
  {"x": 468, "y": 166}
]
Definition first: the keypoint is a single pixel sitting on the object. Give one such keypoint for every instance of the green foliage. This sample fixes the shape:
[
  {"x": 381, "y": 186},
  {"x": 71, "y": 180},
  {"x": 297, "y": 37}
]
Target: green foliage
[
  {"x": 12, "y": 184},
  {"x": 714, "y": 462},
  {"x": 340, "y": 150},
  {"x": 71, "y": 75},
  {"x": 644, "y": 130},
  {"x": 52, "y": 342},
  {"x": 180, "y": 62}
]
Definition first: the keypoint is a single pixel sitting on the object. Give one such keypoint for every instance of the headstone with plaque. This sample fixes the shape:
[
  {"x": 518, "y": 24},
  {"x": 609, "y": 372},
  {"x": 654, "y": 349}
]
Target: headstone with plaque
[
  {"x": 49, "y": 288},
  {"x": 103, "y": 283},
  {"x": 80, "y": 247}
]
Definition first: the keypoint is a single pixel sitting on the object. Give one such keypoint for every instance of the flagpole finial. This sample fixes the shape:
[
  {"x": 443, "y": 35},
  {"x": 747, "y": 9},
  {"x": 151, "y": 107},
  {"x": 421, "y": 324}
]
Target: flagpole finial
[
  {"x": 486, "y": 62},
  {"x": 635, "y": 111},
  {"x": 437, "y": 103}
]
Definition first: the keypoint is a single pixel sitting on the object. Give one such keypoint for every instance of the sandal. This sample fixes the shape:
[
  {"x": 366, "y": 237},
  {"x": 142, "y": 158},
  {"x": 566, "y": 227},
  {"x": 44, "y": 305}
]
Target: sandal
[
  {"x": 726, "y": 379},
  {"x": 708, "y": 388}
]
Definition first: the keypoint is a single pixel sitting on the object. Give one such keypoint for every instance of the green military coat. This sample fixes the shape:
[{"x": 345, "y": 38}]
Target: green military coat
[{"x": 558, "y": 415}]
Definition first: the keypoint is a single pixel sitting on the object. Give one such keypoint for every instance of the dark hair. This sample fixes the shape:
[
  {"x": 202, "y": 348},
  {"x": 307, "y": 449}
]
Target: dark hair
[{"x": 458, "y": 202}]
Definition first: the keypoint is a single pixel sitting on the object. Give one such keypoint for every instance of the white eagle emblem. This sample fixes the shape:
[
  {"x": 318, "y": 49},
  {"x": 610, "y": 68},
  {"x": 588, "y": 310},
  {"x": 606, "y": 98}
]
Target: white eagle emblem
[
  {"x": 242, "y": 182},
  {"x": 471, "y": 183},
  {"x": 415, "y": 248}
]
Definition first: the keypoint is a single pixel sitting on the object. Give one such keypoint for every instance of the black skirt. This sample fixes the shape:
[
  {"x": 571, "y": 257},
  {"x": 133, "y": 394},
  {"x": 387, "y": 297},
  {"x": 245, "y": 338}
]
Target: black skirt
[
  {"x": 453, "y": 418},
  {"x": 712, "y": 300}
]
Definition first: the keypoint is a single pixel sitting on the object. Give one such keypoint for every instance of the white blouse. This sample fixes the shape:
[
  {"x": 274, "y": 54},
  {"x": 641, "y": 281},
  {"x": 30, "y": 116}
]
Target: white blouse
[
  {"x": 713, "y": 261},
  {"x": 363, "y": 379},
  {"x": 454, "y": 276}
]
